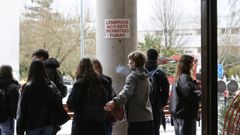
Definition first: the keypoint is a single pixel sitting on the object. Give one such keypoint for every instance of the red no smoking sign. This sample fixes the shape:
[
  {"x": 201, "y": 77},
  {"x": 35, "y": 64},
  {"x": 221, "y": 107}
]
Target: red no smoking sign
[{"x": 117, "y": 28}]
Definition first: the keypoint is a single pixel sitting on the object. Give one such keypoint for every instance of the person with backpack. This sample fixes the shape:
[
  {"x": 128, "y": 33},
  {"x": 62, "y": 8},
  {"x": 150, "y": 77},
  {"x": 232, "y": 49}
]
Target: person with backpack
[
  {"x": 8, "y": 100},
  {"x": 87, "y": 100},
  {"x": 51, "y": 65},
  {"x": 160, "y": 89}
]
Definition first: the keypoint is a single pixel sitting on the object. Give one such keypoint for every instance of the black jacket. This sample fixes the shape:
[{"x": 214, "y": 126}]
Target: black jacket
[
  {"x": 11, "y": 87},
  {"x": 33, "y": 114},
  {"x": 107, "y": 82},
  {"x": 84, "y": 105},
  {"x": 54, "y": 75},
  {"x": 185, "y": 98},
  {"x": 161, "y": 84}
]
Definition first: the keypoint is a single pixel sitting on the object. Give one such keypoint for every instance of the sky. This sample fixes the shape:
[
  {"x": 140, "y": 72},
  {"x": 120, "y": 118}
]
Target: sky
[
  {"x": 9, "y": 34},
  {"x": 10, "y": 12},
  {"x": 145, "y": 9},
  {"x": 146, "y": 15}
]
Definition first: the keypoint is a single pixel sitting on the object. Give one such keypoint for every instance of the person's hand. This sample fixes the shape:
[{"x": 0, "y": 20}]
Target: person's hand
[
  {"x": 109, "y": 106},
  {"x": 198, "y": 84}
]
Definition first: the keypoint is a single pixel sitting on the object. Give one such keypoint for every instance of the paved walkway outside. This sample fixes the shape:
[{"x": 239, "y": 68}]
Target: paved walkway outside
[{"x": 66, "y": 129}]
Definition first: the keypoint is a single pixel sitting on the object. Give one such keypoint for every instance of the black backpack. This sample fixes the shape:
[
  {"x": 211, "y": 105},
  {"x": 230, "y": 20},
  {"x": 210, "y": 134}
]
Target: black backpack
[
  {"x": 59, "y": 83},
  {"x": 160, "y": 87},
  {"x": 3, "y": 104}
]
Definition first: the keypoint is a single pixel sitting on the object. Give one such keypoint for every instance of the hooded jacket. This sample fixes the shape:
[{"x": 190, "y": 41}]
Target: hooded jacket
[
  {"x": 54, "y": 75},
  {"x": 11, "y": 87},
  {"x": 51, "y": 66},
  {"x": 135, "y": 96}
]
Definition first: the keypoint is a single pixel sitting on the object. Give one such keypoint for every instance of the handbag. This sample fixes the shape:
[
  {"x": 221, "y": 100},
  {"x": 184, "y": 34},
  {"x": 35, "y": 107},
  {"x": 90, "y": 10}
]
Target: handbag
[
  {"x": 116, "y": 114},
  {"x": 59, "y": 115},
  {"x": 175, "y": 100}
]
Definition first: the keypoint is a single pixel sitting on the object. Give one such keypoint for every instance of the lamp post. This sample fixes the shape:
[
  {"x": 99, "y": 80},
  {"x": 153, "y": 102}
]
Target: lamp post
[{"x": 81, "y": 31}]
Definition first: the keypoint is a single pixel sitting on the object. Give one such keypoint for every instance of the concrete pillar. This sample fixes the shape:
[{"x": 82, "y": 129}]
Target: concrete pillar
[
  {"x": 9, "y": 34},
  {"x": 114, "y": 43}
]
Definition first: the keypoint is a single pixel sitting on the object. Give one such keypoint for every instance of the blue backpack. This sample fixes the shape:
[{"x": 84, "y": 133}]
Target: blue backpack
[
  {"x": 160, "y": 87},
  {"x": 154, "y": 93}
]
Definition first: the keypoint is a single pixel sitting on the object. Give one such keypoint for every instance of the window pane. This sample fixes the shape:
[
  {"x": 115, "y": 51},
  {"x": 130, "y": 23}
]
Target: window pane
[{"x": 228, "y": 64}]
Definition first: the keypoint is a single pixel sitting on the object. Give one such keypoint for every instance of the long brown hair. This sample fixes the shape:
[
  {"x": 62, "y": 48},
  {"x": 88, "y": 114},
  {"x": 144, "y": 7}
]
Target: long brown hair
[
  {"x": 97, "y": 66},
  {"x": 85, "y": 70},
  {"x": 184, "y": 65}
]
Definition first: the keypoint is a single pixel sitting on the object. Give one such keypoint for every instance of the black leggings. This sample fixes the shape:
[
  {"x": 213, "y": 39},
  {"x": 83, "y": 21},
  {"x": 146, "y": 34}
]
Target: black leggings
[
  {"x": 140, "y": 128},
  {"x": 82, "y": 127}
]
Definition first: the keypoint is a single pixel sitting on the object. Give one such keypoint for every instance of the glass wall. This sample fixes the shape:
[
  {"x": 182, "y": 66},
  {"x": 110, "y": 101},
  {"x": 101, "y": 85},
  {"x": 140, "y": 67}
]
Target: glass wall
[
  {"x": 55, "y": 26},
  {"x": 228, "y": 65},
  {"x": 9, "y": 34},
  {"x": 172, "y": 27}
]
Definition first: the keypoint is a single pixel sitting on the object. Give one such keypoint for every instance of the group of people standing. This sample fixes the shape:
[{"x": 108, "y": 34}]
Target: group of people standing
[
  {"x": 92, "y": 96},
  {"x": 36, "y": 103}
]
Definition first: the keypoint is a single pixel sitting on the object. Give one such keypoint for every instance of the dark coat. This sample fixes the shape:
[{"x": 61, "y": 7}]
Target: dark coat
[
  {"x": 159, "y": 98},
  {"x": 160, "y": 84},
  {"x": 107, "y": 82},
  {"x": 11, "y": 87},
  {"x": 80, "y": 101},
  {"x": 185, "y": 98},
  {"x": 54, "y": 75},
  {"x": 32, "y": 115}
]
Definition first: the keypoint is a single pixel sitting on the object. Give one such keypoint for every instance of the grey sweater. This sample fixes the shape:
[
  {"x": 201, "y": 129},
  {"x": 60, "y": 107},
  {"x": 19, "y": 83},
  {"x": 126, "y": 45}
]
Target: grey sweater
[{"x": 135, "y": 96}]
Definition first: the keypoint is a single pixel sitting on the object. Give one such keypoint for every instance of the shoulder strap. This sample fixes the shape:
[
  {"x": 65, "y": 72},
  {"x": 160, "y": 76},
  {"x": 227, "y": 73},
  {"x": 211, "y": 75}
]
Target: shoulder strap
[{"x": 151, "y": 73}]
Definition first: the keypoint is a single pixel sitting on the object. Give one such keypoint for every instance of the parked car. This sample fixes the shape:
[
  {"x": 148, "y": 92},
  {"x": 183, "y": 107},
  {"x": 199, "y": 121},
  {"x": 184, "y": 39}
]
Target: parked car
[{"x": 69, "y": 85}]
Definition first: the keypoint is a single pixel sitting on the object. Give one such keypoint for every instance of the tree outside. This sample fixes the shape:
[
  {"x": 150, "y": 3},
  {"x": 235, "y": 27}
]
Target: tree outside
[
  {"x": 169, "y": 23},
  {"x": 228, "y": 51},
  {"x": 153, "y": 41},
  {"x": 228, "y": 41},
  {"x": 42, "y": 27},
  {"x": 169, "y": 36}
]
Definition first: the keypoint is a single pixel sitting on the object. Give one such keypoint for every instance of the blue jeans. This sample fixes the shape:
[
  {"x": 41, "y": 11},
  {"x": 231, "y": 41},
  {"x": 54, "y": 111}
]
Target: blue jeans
[
  {"x": 108, "y": 129},
  {"x": 41, "y": 131},
  {"x": 184, "y": 126},
  {"x": 7, "y": 127}
]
